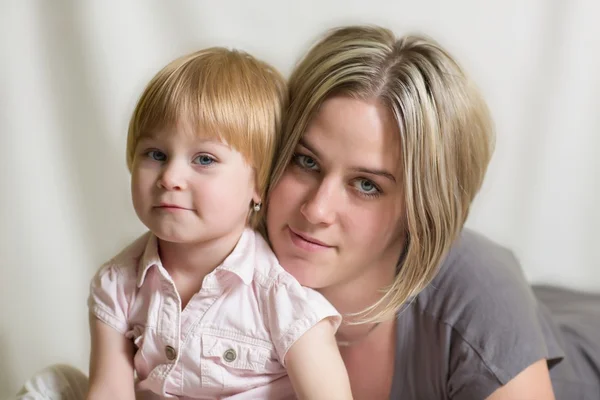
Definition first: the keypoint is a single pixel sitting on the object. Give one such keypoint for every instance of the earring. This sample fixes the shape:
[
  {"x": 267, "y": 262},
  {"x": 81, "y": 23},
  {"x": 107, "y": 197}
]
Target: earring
[{"x": 256, "y": 206}]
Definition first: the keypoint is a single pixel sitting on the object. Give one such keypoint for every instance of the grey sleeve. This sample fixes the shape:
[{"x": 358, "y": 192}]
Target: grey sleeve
[
  {"x": 471, "y": 378},
  {"x": 474, "y": 378}
]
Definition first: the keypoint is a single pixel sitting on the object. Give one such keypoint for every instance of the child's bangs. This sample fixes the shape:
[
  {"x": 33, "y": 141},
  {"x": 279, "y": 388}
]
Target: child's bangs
[{"x": 201, "y": 101}]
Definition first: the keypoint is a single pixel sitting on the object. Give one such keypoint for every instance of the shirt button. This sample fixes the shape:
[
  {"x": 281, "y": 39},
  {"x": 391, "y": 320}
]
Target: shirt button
[
  {"x": 229, "y": 355},
  {"x": 170, "y": 353}
]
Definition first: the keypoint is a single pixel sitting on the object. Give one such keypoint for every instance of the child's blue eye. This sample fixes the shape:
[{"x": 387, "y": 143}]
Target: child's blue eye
[
  {"x": 204, "y": 160},
  {"x": 157, "y": 155}
]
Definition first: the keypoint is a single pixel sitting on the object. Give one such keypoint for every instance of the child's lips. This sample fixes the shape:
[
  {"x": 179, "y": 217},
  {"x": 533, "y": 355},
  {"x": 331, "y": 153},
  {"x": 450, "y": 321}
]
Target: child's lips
[{"x": 169, "y": 206}]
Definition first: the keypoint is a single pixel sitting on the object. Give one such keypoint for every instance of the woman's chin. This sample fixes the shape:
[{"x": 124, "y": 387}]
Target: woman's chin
[{"x": 307, "y": 275}]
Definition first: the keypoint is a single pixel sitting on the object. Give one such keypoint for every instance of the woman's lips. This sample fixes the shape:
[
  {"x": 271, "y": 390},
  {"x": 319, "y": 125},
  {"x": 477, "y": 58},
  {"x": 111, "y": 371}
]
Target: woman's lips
[{"x": 306, "y": 242}]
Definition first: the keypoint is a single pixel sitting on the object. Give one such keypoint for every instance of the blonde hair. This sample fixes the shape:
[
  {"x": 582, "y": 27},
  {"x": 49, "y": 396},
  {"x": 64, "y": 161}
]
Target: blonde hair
[
  {"x": 219, "y": 93},
  {"x": 446, "y": 136}
]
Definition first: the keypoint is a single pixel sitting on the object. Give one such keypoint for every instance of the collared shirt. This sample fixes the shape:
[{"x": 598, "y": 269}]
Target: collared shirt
[{"x": 232, "y": 336}]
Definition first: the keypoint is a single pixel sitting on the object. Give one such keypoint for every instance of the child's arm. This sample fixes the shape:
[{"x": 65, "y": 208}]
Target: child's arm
[
  {"x": 315, "y": 366},
  {"x": 111, "y": 363}
]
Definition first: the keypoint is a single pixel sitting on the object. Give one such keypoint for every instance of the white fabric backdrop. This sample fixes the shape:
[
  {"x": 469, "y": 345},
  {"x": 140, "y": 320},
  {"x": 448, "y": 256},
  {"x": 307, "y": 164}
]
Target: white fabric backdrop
[{"x": 71, "y": 72}]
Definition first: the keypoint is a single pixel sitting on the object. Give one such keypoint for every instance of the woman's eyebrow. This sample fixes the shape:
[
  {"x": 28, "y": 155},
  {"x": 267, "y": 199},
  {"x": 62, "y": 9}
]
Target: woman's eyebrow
[
  {"x": 379, "y": 172},
  {"x": 303, "y": 143},
  {"x": 373, "y": 171}
]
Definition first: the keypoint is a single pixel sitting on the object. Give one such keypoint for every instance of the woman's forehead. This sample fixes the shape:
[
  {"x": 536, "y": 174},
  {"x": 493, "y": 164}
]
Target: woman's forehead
[{"x": 356, "y": 130}]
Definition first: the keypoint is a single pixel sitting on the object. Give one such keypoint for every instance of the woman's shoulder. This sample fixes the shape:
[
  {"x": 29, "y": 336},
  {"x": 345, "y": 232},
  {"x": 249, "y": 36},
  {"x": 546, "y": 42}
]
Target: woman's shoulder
[
  {"x": 482, "y": 296},
  {"x": 478, "y": 269},
  {"x": 480, "y": 286}
]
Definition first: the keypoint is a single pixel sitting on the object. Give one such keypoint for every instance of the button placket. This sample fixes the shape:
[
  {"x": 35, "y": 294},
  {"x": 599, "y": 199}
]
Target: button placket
[
  {"x": 170, "y": 318},
  {"x": 170, "y": 353}
]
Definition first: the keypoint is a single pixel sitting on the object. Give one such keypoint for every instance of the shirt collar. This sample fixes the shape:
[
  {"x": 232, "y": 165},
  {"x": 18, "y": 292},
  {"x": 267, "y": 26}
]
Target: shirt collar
[
  {"x": 149, "y": 258},
  {"x": 239, "y": 262}
]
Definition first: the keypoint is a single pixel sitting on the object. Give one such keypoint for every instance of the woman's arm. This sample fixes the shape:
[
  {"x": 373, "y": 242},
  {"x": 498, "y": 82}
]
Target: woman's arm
[
  {"x": 111, "y": 363},
  {"x": 315, "y": 366},
  {"x": 532, "y": 383}
]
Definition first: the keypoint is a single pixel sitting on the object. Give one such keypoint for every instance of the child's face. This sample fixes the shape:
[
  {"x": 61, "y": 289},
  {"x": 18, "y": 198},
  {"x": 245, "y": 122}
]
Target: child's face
[{"x": 188, "y": 189}]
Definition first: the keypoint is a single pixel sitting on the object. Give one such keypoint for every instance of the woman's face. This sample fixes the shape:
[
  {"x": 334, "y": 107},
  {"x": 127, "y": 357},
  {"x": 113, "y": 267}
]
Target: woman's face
[{"x": 336, "y": 217}]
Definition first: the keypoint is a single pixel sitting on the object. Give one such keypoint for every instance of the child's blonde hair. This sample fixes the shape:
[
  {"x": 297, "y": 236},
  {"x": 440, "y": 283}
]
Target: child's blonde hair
[
  {"x": 218, "y": 93},
  {"x": 446, "y": 135}
]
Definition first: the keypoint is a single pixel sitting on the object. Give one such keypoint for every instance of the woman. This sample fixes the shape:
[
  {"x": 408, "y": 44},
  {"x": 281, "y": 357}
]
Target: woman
[{"x": 386, "y": 144}]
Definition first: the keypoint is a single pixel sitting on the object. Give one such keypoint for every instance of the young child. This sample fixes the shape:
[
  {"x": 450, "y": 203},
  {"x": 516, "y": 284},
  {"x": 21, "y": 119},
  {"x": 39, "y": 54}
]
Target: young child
[{"x": 199, "y": 307}]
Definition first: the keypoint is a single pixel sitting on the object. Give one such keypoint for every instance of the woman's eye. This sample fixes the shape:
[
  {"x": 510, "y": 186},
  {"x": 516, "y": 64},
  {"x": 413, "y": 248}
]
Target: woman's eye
[
  {"x": 367, "y": 187},
  {"x": 305, "y": 162},
  {"x": 204, "y": 160},
  {"x": 157, "y": 155}
]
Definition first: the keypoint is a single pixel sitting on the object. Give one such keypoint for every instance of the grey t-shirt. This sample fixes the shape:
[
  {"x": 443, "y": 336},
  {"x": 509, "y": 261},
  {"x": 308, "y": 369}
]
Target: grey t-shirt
[{"x": 479, "y": 323}]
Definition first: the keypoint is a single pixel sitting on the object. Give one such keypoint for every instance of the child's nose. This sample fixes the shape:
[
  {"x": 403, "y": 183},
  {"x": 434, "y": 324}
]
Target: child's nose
[{"x": 173, "y": 177}]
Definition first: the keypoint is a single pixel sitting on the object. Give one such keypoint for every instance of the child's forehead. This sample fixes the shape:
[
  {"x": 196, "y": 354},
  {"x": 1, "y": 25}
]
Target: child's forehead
[{"x": 184, "y": 134}]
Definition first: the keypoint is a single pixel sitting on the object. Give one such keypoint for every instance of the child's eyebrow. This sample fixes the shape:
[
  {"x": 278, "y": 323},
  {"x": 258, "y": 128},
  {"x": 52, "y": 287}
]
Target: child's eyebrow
[
  {"x": 149, "y": 136},
  {"x": 154, "y": 136},
  {"x": 216, "y": 141}
]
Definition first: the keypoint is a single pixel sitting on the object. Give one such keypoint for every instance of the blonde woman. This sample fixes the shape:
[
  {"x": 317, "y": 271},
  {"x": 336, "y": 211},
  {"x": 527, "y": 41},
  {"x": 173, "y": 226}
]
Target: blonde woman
[{"x": 385, "y": 146}]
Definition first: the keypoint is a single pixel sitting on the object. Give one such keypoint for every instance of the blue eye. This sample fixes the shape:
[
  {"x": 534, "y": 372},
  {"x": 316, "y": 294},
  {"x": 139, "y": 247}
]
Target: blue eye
[
  {"x": 157, "y": 155},
  {"x": 204, "y": 160},
  {"x": 367, "y": 188},
  {"x": 305, "y": 162}
]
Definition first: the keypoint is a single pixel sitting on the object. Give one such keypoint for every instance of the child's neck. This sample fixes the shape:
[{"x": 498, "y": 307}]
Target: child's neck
[{"x": 196, "y": 260}]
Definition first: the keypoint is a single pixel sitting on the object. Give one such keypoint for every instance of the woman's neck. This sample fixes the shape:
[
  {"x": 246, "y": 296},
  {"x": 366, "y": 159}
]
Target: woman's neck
[
  {"x": 370, "y": 363},
  {"x": 356, "y": 295}
]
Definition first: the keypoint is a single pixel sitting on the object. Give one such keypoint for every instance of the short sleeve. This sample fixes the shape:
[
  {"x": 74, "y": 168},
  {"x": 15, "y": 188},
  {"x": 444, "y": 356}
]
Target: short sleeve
[
  {"x": 292, "y": 310},
  {"x": 111, "y": 292},
  {"x": 471, "y": 377}
]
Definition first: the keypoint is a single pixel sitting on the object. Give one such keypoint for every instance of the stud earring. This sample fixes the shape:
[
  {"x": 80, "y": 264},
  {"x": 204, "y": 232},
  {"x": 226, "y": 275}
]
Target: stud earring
[{"x": 256, "y": 206}]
